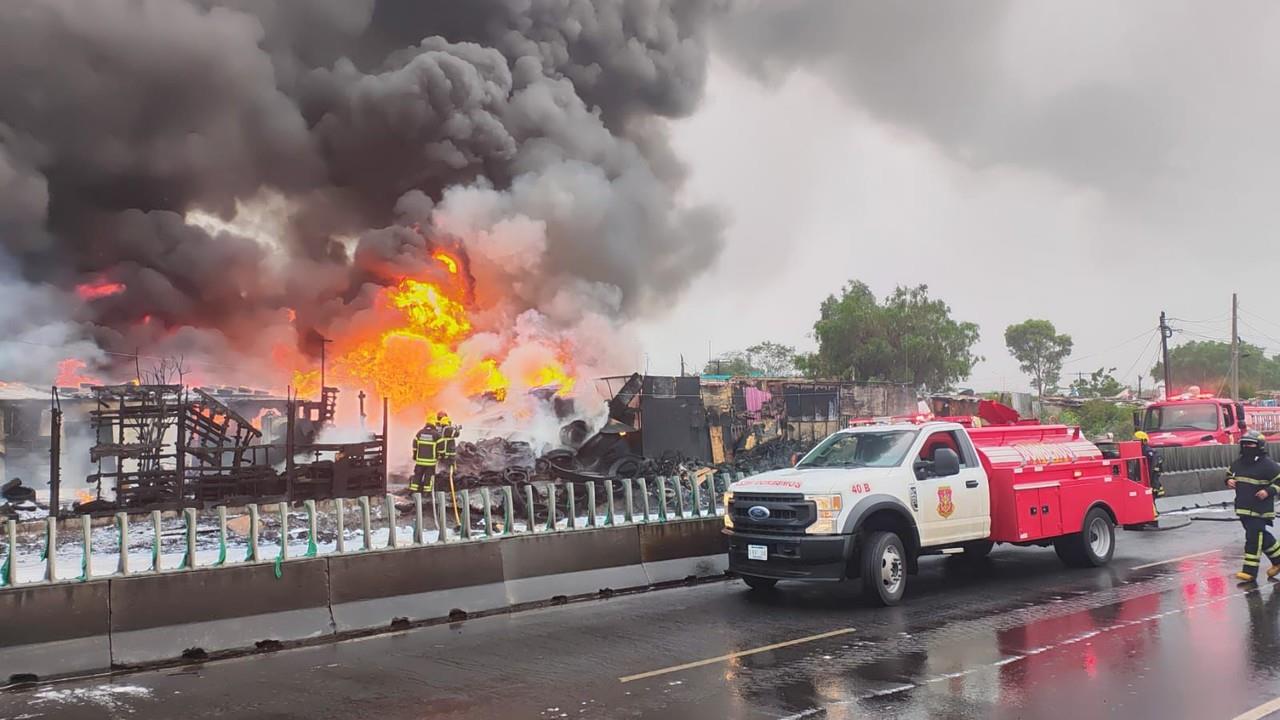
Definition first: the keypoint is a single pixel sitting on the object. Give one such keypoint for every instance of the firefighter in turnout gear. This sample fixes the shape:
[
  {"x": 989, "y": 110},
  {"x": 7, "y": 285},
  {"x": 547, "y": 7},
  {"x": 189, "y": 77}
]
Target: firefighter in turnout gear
[
  {"x": 1154, "y": 463},
  {"x": 1254, "y": 475},
  {"x": 425, "y": 457},
  {"x": 446, "y": 443}
]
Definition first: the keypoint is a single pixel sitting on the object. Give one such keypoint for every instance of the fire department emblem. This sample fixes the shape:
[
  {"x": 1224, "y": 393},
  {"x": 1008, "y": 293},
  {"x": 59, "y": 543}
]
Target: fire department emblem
[{"x": 945, "y": 506}]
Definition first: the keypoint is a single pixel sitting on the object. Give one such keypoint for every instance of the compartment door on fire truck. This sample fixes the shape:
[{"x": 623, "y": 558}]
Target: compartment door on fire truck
[{"x": 957, "y": 508}]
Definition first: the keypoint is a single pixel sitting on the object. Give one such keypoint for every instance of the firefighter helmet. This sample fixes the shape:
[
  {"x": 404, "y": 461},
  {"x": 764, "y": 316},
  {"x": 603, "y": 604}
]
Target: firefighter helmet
[
  {"x": 1140, "y": 435},
  {"x": 1253, "y": 440}
]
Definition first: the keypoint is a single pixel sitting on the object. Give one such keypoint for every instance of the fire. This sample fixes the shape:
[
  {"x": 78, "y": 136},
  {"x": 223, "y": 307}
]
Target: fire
[
  {"x": 69, "y": 374},
  {"x": 293, "y": 314},
  {"x": 447, "y": 260},
  {"x": 84, "y": 496},
  {"x": 552, "y": 375},
  {"x": 306, "y": 383},
  {"x": 412, "y": 355},
  {"x": 99, "y": 289}
]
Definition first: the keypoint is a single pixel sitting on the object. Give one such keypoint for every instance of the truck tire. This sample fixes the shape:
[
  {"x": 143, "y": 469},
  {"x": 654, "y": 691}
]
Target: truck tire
[
  {"x": 755, "y": 582},
  {"x": 977, "y": 550},
  {"x": 884, "y": 568},
  {"x": 1093, "y": 546}
]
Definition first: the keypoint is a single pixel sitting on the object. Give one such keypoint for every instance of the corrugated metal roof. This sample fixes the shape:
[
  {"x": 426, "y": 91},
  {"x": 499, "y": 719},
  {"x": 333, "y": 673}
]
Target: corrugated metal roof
[{"x": 12, "y": 391}]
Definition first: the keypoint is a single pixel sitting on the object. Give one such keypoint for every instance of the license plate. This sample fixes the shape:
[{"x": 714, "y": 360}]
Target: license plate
[{"x": 757, "y": 552}]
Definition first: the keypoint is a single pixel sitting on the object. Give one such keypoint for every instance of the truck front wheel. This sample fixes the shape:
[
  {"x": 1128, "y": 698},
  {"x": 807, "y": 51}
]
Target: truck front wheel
[
  {"x": 1093, "y": 546},
  {"x": 884, "y": 568},
  {"x": 755, "y": 582}
]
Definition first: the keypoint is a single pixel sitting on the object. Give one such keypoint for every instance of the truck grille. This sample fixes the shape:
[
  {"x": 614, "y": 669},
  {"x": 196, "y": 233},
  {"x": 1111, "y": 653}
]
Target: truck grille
[{"x": 788, "y": 514}]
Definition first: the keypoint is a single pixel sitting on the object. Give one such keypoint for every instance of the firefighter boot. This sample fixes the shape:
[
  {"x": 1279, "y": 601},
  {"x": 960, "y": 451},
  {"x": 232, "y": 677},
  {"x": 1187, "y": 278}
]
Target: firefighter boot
[
  {"x": 1245, "y": 577},
  {"x": 1273, "y": 571}
]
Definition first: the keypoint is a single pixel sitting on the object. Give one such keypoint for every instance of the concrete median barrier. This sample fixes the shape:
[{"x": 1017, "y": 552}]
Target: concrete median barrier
[
  {"x": 76, "y": 628},
  {"x": 159, "y": 617},
  {"x": 420, "y": 583},
  {"x": 541, "y": 567},
  {"x": 50, "y": 630},
  {"x": 676, "y": 551}
]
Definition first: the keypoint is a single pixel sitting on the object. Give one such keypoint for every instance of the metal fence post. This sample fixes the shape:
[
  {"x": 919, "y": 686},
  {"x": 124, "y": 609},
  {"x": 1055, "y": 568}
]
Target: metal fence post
[
  {"x": 591, "y": 504},
  {"x": 222, "y": 535},
  {"x": 189, "y": 515},
  {"x": 571, "y": 505},
  {"x": 155, "y": 546},
  {"x": 366, "y": 523},
  {"x": 697, "y": 494},
  {"x": 417, "y": 518},
  {"x": 551, "y": 507},
  {"x": 508, "y": 511},
  {"x": 86, "y": 540},
  {"x": 255, "y": 551},
  {"x": 441, "y": 513},
  {"x": 122, "y": 523},
  {"x": 51, "y": 549},
  {"x": 339, "y": 507},
  {"x": 680, "y": 506},
  {"x": 284, "y": 532},
  {"x": 11, "y": 560},
  {"x": 528, "y": 498},
  {"x": 389, "y": 507},
  {"x": 312, "y": 544},
  {"x": 629, "y": 510},
  {"x": 644, "y": 496},
  {"x": 662, "y": 498},
  {"x": 466, "y": 513},
  {"x": 486, "y": 497},
  {"x": 608, "y": 502}
]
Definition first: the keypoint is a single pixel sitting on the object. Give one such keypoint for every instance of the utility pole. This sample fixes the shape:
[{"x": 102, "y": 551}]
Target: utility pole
[
  {"x": 1166, "y": 332},
  {"x": 1235, "y": 347}
]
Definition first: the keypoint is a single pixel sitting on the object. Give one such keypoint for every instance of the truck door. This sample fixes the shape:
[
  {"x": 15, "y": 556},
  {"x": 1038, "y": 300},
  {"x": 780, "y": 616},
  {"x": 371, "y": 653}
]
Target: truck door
[{"x": 957, "y": 508}]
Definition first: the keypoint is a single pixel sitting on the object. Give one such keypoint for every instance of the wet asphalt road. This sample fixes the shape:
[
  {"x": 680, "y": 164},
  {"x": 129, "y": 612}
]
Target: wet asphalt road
[{"x": 1017, "y": 637}]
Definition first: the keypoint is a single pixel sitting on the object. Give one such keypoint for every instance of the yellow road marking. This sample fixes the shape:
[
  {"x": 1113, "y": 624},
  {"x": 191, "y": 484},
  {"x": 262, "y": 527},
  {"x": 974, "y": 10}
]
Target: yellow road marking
[
  {"x": 1261, "y": 711},
  {"x": 1174, "y": 560},
  {"x": 730, "y": 656}
]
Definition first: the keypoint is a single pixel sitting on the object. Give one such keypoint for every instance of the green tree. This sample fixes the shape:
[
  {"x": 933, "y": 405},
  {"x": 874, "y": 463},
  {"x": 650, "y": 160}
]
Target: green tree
[
  {"x": 1207, "y": 364},
  {"x": 1101, "y": 383},
  {"x": 1099, "y": 417},
  {"x": 909, "y": 338},
  {"x": 730, "y": 363},
  {"x": 1039, "y": 350},
  {"x": 772, "y": 359}
]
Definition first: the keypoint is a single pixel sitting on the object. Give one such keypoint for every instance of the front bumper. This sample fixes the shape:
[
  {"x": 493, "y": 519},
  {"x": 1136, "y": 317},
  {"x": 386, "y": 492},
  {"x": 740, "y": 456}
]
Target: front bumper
[{"x": 792, "y": 557}]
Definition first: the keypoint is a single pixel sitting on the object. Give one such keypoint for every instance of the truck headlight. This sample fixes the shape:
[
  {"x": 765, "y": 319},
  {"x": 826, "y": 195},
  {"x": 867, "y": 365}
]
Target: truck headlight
[
  {"x": 728, "y": 517},
  {"x": 829, "y": 507}
]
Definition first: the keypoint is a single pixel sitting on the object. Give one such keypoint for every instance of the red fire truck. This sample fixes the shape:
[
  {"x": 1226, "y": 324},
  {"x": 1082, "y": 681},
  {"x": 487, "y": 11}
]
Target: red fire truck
[
  {"x": 1195, "y": 418},
  {"x": 869, "y": 501}
]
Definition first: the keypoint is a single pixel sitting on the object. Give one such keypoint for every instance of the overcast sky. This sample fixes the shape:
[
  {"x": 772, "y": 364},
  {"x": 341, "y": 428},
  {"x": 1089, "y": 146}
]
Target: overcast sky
[{"x": 1085, "y": 163}]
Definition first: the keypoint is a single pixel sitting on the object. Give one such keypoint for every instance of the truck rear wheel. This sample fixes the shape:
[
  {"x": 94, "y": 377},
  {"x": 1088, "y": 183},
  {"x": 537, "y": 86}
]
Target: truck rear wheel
[
  {"x": 1093, "y": 546},
  {"x": 884, "y": 568},
  {"x": 755, "y": 582}
]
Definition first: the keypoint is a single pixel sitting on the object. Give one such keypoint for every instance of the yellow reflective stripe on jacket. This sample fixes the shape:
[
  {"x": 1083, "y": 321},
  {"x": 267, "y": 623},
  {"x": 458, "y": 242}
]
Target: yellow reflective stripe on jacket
[
  {"x": 1253, "y": 481},
  {"x": 1250, "y": 513}
]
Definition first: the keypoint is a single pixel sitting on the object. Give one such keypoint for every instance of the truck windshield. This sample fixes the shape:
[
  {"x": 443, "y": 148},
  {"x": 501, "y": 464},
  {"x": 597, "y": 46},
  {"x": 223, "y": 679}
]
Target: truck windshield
[
  {"x": 1198, "y": 416},
  {"x": 862, "y": 449}
]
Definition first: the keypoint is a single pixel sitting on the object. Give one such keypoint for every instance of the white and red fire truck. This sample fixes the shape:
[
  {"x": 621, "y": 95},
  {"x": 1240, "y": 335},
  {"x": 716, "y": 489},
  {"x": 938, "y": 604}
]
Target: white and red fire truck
[
  {"x": 869, "y": 501},
  {"x": 1195, "y": 418}
]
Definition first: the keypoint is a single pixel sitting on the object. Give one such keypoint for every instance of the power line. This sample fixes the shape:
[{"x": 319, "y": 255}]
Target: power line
[
  {"x": 1150, "y": 337},
  {"x": 1133, "y": 339}
]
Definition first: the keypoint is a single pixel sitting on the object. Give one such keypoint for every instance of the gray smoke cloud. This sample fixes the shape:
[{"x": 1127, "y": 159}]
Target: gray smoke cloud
[
  {"x": 1092, "y": 94},
  {"x": 369, "y": 132}
]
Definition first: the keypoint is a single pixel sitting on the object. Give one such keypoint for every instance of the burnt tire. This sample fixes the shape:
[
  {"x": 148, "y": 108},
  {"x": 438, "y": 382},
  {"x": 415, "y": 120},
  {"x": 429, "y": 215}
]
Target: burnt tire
[
  {"x": 755, "y": 582},
  {"x": 1093, "y": 546},
  {"x": 884, "y": 568}
]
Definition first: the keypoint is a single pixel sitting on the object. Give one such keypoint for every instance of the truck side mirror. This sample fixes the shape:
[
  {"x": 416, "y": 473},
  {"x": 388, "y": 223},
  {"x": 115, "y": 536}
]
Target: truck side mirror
[
  {"x": 946, "y": 462},
  {"x": 1241, "y": 423}
]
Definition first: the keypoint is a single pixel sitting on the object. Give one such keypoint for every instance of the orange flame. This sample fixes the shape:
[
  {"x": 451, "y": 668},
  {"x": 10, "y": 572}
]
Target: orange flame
[
  {"x": 99, "y": 289},
  {"x": 447, "y": 260},
  {"x": 69, "y": 374},
  {"x": 84, "y": 496},
  {"x": 412, "y": 355}
]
